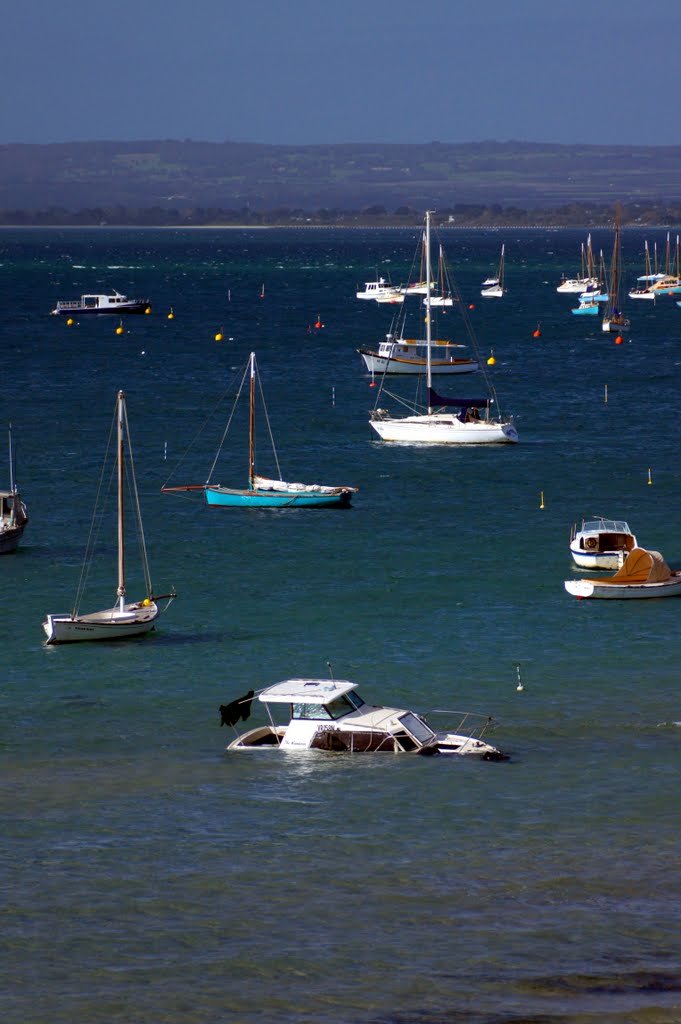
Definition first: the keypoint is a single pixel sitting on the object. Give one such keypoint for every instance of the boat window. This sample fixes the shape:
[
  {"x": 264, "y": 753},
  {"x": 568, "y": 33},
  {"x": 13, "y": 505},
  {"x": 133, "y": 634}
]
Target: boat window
[
  {"x": 310, "y": 711},
  {"x": 341, "y": 706},
  {"x": 418, "y": 729}
]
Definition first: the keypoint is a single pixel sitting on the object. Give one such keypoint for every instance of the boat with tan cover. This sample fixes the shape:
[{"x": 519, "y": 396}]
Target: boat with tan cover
[{"x": 643, "y": 574}]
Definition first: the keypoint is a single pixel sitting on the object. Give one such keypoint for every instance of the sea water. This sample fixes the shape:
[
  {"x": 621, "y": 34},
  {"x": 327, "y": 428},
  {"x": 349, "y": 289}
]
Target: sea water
[{"x": 150, "y": 877}]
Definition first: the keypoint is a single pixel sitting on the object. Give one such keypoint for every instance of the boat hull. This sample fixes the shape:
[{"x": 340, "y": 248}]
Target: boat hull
[
  {"x": 9, "y": 539},
  {"x": 444, "y": 429},
  {"x": 107, "y": 625},
  {"x": 226, "y": 497},
  {"x": 623, "y": 591},
  {"x": 376, "y": 363}
]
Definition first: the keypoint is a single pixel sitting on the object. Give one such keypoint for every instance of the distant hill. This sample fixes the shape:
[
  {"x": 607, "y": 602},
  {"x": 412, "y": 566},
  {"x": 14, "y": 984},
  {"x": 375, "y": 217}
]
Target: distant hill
[{"x": 163, "y": 176}]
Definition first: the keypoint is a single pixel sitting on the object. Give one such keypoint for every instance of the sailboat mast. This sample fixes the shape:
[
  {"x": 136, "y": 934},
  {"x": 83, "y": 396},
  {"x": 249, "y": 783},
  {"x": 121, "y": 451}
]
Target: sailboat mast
[
  {"x": 11, "y": 461},
  {"x": 428, "y": 329},
  {"x": 251, "y": 426},
  {"x": 121, "y": 502}
]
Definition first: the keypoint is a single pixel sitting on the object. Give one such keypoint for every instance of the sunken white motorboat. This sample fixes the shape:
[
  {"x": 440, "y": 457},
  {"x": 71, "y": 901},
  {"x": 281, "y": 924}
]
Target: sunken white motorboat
[
  {"x": 114, "y": 303},
  {"x": 601, "y": 543},
  {"x": 329, "y": 714}
]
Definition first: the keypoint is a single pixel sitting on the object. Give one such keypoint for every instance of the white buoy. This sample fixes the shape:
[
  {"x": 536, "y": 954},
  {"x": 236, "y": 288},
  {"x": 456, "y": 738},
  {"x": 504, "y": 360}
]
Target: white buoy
[{"x": 520, "y": 686}]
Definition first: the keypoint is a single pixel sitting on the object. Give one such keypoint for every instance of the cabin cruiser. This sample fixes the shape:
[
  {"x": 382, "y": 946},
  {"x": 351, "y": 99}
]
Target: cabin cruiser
[
  {"x": 404, "y": 355},
  {"x": 381, "y": 291},
  {"x": 601, "y": 543},
  {"x": 114, "y": 303},
  {"x": 329, "y": 714}
]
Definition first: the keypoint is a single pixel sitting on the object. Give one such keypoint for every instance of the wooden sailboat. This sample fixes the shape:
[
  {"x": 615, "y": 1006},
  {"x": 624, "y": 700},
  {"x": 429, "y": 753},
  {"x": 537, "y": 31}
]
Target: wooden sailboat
[
  {"x": 493, "y": 288},
  {"x": 613, "y": 318},
  {"x": 124, "y": 619},
  {"x": 13, "y": 517},
  {"x": 261, "y": 491},
  {"x": 435, "y": 426}
]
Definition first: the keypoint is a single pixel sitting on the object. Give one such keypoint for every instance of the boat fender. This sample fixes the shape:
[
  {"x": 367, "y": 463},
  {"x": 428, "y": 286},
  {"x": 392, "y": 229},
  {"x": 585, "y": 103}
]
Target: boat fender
[{"x": 591, "y": 543}]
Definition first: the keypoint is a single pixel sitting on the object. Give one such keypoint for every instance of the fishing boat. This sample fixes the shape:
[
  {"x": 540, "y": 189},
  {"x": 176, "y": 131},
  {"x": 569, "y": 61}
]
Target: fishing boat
[
  {"x": 329, "y": 715},
  {"x": 613, "y": 318},
  {"x": 100, "y": 304},
  {"x": 13, "y": 517},
  {"x": 407, "y": 355},
  {"x": 264, "y": 492},
  {"x": 472, "y": 423},
  {"x": 380, "y": 291},
  {"x": 643, "y": 574},
  {"x": 125, "y": 619},
  {"x": 493, "y": 288},
  {"x": 587, "y": 278},
  {"x": 601, "y": 543}
]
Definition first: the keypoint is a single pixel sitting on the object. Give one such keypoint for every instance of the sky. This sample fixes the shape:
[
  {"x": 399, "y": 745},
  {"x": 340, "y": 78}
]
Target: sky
[{"x": 332, "y": 71}]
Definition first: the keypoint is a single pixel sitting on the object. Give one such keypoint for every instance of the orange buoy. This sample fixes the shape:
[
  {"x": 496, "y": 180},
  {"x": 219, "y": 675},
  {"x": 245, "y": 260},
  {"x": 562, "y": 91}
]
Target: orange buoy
[
  {"x": 319, "y": 323},
  {"x": 373, "y": 384},
  {"x": 619, "y": 339},
  {"x": 537, "y": 333},
  {"x": 472, "y": 306}
]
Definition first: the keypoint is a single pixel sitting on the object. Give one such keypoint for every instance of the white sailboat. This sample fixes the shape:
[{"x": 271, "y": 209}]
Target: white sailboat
[
  {"x": 13, "y": 516},
  {"x": 587, "y": 279},
  {"x": 645, "y": 292},
  {"x": 125, "y": 619},
  {"x": 493, "y": 288},
  {"x": 436, "y": 426}
]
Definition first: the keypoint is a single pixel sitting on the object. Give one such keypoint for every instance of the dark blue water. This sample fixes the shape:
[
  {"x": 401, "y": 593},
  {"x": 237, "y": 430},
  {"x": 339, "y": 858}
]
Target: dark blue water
[{"x": 147, "y": 876}]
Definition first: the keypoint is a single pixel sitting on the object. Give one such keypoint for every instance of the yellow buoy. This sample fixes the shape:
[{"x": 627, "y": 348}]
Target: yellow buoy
[
  {"x": 219, "y": 336},
  {"x": 491, "y": 361},
  {"x": 119, "y": 329},
  {"x": 541, "y": 503},
  {"x": 69, "y": 322},
  {"x": 148, "y": 309},
  {"x": 171, "y": 314}
]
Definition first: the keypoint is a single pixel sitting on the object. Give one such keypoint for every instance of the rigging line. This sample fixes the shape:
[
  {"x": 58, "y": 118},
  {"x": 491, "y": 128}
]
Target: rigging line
[
  {"x": 96, "y": 520},
  {"x": 202, "y": 428},
  {"x": 269, "y": 428},
  {"x": 132, "y": 486},
  {"x": 229, "y": 421}
]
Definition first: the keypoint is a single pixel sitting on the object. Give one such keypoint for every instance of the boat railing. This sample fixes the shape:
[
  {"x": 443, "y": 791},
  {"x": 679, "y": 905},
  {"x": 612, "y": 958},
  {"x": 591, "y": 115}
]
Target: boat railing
[{"x": 473, "y": 723}]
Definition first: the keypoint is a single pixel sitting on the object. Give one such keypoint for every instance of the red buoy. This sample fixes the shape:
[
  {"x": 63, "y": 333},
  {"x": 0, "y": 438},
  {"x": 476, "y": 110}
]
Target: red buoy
[{"x": 619, "y": 339}]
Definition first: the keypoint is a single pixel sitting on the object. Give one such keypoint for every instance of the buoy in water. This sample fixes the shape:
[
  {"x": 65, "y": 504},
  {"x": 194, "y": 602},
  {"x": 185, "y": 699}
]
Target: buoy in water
[
  {"x": 171, "y": 315},
  {"x": 537, "y": 333},
  {"x": 319, "y": 323},
  {"x": 472, "y": 305},
  {"x": 619, "y": 339},
  {"x": 491, "y": 361},
  {"x": 219, "y": 336},
  {"x": 148, "y": 309},
  {"x": 69, "y": 322},
  {"x": 119, "y": 329}
]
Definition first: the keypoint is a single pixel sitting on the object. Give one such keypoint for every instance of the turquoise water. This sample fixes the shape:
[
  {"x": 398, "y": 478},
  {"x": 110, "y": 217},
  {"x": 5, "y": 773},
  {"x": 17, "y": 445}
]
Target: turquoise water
[{"x": 148, "y": 877}]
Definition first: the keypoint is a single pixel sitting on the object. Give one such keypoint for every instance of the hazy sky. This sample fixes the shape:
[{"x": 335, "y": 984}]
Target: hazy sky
[{"x": 329, "y": 71}]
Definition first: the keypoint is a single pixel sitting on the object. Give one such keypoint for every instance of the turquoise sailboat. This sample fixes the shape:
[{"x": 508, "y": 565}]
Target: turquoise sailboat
[{"x": 263, "y": 492}]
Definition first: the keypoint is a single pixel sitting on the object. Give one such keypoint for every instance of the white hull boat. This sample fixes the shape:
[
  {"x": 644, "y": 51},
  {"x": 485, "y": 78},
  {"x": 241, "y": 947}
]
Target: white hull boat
[
  {"x": 381, "y": 291},
  {"x": 493, "y": 288},
  {"x": 644, "y": 574},
  {"x": 329, "y": 715},
  {"x": 124, "y": 619},
  {"x": 100, "y": 304},
  {"x": 601, "y": 543},
  {"x": 407, "y": 356},
  {"x": 13, "y": 516},
  {"x": 434, "y": 425}
]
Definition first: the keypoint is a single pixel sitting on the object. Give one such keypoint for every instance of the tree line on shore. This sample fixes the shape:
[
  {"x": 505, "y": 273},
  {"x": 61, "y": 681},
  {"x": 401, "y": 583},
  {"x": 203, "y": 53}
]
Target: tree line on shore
[{"x": 458, "y": 215}]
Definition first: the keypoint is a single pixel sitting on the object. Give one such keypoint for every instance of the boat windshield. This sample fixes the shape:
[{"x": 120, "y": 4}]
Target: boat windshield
[
  {"x": 337, "y": 708},
  {"x": 418, "y": 729}
]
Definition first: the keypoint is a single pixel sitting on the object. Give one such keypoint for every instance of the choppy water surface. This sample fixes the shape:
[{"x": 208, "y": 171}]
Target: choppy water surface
[{"x": 148, "y": 877}]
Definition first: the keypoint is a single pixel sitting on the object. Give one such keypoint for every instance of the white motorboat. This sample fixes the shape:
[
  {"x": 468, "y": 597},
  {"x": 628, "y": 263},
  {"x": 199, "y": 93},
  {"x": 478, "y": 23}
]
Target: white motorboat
[
  {"x": 601, "y": 543},
  {"x": 329, "y": 714},
  {"x": 114, "y": 303},
  {"x": 471, "y": 423},
  {"x": 405, "y": 355},
  {"x": 125, "y": 619},
  {"x": 13, "y": 516},
  {"x": 643, "y": 574},
  {"x": 381, "y": 291}
]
